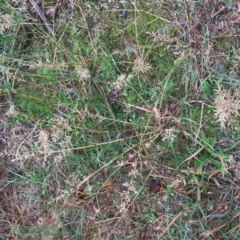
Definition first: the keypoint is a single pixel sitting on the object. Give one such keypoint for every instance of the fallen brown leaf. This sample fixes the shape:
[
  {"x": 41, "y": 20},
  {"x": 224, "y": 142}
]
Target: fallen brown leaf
[
  {"x": 81, "y": 195},
  {"x": 154, "y": 187},
  {"x": 196, "y": 34},
  {"x": 90, "y": 206},
  {"x": 107, "y": 184}
]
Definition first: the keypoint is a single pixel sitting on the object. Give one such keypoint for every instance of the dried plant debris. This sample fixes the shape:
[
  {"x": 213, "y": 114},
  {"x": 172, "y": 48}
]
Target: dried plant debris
[
  {"x": 3, "y": 177},
  {"x": 227, "y": 105}
]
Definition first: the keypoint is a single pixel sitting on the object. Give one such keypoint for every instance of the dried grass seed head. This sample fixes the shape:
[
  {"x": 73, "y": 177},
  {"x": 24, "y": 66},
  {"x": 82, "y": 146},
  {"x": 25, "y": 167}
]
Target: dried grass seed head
[
  {"x": 82, "y": 72},
  {"x": 227, "y": 105},
  {"x": 122, "y": 81},
  {"x": 141, "y": 66}
]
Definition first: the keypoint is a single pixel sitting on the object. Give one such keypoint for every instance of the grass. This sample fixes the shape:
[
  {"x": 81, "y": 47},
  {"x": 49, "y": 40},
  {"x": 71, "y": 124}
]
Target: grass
[{"x": 120, "y": 126}]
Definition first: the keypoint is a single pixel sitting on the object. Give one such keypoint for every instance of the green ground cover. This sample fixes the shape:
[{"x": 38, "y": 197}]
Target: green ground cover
[{"x": 123, "y": 124}]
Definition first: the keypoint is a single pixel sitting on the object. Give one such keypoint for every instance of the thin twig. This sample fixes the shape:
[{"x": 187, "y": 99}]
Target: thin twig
[
  {"x": 20, "y": 145},
  {"x": 42, "y": 16}
]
